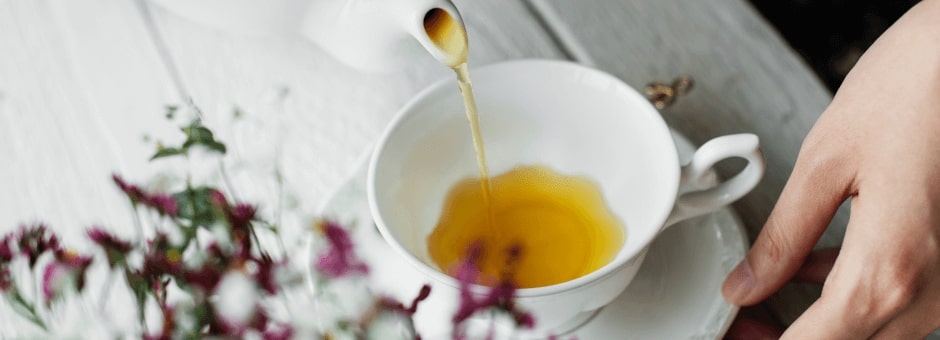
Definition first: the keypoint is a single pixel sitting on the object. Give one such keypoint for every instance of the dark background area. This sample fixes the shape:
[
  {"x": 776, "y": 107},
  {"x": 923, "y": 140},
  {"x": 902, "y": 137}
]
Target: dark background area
[{"x": 832, "y": 34}]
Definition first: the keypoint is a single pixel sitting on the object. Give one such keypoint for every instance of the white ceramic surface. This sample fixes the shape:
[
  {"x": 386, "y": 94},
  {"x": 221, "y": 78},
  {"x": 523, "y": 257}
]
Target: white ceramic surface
[
  {"x": 573, "y": 119},
  {"x": 377, "y": 36},
  {"x": 675, "y": 295}
]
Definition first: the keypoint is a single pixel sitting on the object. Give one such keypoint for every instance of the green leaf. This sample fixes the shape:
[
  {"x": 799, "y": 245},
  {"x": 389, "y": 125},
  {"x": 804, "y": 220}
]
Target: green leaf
[
  {"x": 115, "y": 258},
  {"x": 171, "y": 111},
  {"x": 140, "y": 288},
  {"x": 203, "y": 315},
  {"x": 216, "y": 146},
  {"x": 168, "y": 152},
  {"x": 195, "y": 204},
  {"x": 196, "y": 134}
]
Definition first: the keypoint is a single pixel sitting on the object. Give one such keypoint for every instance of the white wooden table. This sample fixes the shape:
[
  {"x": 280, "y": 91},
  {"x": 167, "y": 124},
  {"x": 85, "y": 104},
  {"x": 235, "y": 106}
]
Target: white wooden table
[{"x": 84, "y": 83}]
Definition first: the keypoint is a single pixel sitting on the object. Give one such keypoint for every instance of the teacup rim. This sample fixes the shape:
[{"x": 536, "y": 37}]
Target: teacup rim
[{"x": 588, "y": 279}]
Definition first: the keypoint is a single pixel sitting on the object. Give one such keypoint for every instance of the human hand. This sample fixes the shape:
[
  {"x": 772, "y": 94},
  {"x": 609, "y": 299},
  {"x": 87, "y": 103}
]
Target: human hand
[
  {"x": 878, "y": 143},
  {"x": 759, "y": 322}
]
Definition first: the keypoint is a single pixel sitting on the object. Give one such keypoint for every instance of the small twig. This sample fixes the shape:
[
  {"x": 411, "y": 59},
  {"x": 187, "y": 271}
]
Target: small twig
[
  {"x": 103, "y": 301},
  {"x": 278, "y": 174},
  {"x": 138, "y": 225},
  {"x": 160, "y": 43},
  {"x": 254, "y": 236},
  {"x": 227, "y": 182}
]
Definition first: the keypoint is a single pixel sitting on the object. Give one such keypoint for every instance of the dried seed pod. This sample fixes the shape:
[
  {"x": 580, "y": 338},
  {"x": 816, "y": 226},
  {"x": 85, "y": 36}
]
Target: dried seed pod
[{"x": 663, "y": 96}]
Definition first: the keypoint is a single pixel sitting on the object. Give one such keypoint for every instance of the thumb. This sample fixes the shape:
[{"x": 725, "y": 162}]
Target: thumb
[{"x": 809, "y": 200}]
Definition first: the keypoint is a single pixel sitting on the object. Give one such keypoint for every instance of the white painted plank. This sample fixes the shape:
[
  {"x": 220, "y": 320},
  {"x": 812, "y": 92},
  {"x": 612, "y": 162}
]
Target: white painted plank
[{"x": 80, "y": 84}]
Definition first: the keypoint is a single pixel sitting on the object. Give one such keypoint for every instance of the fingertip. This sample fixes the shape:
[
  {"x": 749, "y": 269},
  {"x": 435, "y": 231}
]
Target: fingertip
[{"x": 739, "y": 284}]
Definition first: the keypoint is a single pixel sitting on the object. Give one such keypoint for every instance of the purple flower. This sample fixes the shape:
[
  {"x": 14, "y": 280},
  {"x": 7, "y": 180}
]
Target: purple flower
[
  {"x": 6, "y": 255},
  {"x": 278, "y": 332},
  {"x": 500, "y": 297},
  {"x": 241, "y": 215},
  {"x": 339, "y": 260},
  {"x": 236, "y": 329},
  {"x": 422, "y": 295},
  {"x": 68, "y": 267},
  {"x": 386, "y": 304},
  {"x": 265, "y": 275},
  {"x": 239, "y": 218},
  {"x": 116, "y": 249},
  {"x": 393, "y": 305},
  {"x": 158, "y": 263},
  {"x": 467, "y": 273},
  {"x": 161, "y": 259},
  {"x": 206, "y": 277},
  {"x": 6, "y": 281},
  {"x": 6, "y": 250},
  {"x": 218, "y": 198},
  {"x": 35, "y": 240},
  {"x": 106, "y": 239},
  {"x": 132, "y": 192},
  {"x": 54, "y": 279},
  {"x": 162, "y": 203}
]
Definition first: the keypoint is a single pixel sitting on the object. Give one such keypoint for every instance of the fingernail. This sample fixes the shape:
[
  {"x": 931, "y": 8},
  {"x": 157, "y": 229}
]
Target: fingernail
[{"x": 739, "y": 283}]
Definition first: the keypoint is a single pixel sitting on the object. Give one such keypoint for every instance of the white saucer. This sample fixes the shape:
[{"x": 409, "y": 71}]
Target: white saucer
[{"x": 675, "y": 295}]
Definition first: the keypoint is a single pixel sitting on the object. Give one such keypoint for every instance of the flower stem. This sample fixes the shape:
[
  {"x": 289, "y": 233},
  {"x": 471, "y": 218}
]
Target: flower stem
[
  {"x": 105, "y": 289},
  {"x": 138, "y": 225},
  {"x": 27, "y": 310}
]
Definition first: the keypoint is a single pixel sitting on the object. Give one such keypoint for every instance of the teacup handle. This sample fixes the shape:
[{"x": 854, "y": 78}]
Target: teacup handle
[{"x": 695, "y": 200}]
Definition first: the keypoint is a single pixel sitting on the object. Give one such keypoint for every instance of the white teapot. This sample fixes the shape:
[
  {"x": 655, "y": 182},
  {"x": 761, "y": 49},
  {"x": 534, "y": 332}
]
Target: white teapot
[{"x": 371, "y": 35}]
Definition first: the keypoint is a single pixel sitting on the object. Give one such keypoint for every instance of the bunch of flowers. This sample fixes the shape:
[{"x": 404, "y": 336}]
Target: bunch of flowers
[{"x": 202, "y": 271}]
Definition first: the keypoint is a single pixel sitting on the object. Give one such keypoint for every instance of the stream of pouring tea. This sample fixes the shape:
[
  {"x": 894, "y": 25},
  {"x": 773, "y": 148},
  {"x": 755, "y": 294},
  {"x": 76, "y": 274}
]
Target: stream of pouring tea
[{"x": 451, "y": 38}]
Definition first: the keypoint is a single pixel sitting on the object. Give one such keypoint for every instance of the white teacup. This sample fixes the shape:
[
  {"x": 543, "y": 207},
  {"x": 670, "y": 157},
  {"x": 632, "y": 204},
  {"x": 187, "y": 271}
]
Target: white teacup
[{"x": 573, "y": 119}]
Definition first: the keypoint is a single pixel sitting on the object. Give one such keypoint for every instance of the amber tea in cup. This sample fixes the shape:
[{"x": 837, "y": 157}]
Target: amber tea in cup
[{"x": 561, "y": 224}]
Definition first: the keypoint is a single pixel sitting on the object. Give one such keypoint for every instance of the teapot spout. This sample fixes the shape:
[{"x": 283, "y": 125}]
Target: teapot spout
[
  {"x": 441, "y": 31},
  {"x": 380, "y": 35}
]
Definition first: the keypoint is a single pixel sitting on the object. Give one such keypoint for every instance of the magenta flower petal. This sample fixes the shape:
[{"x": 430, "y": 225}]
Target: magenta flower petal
[
  {"x": 132, "y": 192},
  {"x": 279, "y": 332},
  {"x": 525, "y": 320},
  {"x": 35, "y": 240},
  {"x": 218, "y": 198},
  {"x": 75, "y": 265},
  {"x": 339, "y": 260},
  {"x": 206, "y": 277},
  {"x": 500, "y": 297},
  {"x": 162, "y": 203},
  {"x": 422, "y": 295},
  {"x": 265, "y": 275},
  {"x": 108, "y": 241},
  {"x": 53, "y": 279},
  {"x": 6, "y": 280},
  {"x": 6, "y": 249},
  {"x": 241, "y": 215}
]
